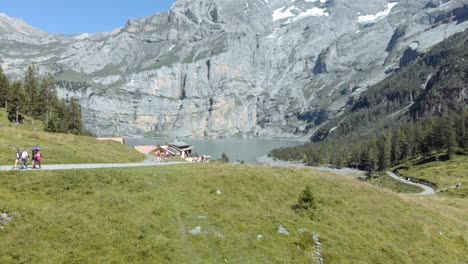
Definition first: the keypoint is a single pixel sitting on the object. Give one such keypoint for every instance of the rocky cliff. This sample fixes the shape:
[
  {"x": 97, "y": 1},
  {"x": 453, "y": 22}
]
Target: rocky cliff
[{"x": 233, "y": 67}]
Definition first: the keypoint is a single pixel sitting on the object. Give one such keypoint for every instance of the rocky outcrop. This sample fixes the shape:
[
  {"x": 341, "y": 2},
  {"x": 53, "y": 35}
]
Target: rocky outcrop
[{"x": 234, "y": 67}]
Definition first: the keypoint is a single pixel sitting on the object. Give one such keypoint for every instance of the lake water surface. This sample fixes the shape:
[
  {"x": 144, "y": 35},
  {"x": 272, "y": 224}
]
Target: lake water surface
[{"x": 237, "y": 149}]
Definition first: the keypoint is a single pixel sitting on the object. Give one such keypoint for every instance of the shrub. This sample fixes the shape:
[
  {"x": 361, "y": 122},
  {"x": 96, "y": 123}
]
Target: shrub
[
  {"x": 307, "y": 204},
  {"x": 224, "y": 158}
]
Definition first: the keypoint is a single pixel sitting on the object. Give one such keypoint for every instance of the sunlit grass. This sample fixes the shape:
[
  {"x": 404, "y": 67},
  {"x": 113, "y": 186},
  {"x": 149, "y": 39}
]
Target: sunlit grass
[
  {"x": 59, "y": 148},
  {"x": 143, "y": 215},
  {"x": 444, "y": 174}
]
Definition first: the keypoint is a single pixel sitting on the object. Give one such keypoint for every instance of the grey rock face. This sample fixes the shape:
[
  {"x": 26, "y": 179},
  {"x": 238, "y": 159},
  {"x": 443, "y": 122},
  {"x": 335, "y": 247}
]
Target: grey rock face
[{"x": 233, "y": 67}]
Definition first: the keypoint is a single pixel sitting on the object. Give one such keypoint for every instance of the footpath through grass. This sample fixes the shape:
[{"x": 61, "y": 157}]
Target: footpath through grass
[
  {"x": 385, "y": 181},
  {"x": 442, "y": 173},
  {"x": 144, "y": 215}
]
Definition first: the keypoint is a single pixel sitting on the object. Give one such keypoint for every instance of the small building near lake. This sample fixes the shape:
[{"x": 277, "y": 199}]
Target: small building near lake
[
  {"x": 170, "y": 150},
  {"x": 181, "y": 147}
]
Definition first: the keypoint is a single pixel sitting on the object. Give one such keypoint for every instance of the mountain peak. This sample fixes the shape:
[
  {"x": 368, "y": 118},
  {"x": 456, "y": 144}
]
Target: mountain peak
[{"x": 14, "y": 25}]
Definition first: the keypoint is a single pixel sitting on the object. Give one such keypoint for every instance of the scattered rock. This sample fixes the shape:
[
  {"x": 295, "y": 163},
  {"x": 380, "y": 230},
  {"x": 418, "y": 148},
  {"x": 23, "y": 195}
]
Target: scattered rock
[
  {"x": 202, "y": 217},
  {"x": 282, "y": 230},
  {"x": 5, "y": 218},
  {"x": 218, "y": 234},
  {"x": 196, "y": 230},
  {"x": 218, "y": 192},
  {"x": 302, "y": 230},
  {"x": 318, "y": 249},
  {"x": 259, "y": 236}
]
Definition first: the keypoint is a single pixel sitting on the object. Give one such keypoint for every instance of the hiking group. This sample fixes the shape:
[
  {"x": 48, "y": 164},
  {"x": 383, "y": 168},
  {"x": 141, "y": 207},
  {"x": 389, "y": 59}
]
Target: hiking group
[{"x": 22, "y": 157}]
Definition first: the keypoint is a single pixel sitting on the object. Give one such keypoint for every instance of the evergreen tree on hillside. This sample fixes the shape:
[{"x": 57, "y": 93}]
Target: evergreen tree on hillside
[
  {"x": 384, "y": 151},
  {"x": 73, "y": 117},
  {"x": 4, "y": 88},
  {"x": 31, "y": 87},
  {"x": 17, "y": 97},
  {"x": 47, "y": 97},
  {"x": 449, "y": 136}
]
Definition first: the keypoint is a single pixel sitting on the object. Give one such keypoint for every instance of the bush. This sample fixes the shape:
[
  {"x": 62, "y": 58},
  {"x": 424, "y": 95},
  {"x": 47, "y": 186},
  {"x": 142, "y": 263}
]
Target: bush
[
  {"x": 307, "y": 204},
  {"x": 224, "y": 158}
]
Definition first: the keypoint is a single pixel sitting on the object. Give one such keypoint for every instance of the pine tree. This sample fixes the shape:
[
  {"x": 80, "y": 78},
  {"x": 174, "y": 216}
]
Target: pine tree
[
  {"x": 396, "y": 147},
  {"x": 384, "y": 151},
  {"x": 31, "y": 88},
  {"x": 4, "y": 88},
  {"x": 47, "y": 98},
  {"x": 450, "y": 135},
  {"x": 16, "y": 104},
  {"x": 73, "y": 117},
  {"x": 53, "y": 124}
]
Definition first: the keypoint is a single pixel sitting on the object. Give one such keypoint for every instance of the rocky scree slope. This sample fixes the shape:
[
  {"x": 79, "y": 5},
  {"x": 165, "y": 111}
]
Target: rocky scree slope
[{"x": 233, "y": 67}]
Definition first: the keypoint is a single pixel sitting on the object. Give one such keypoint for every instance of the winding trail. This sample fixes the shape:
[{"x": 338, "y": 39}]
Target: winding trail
[
  {"x": 427, "y": 190},
  {"x": 343, "y": 171}
]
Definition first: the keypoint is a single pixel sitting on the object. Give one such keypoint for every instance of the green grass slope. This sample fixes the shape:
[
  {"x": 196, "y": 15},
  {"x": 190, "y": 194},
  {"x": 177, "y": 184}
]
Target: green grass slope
[
  {"x": 59, "y": 148},
  {"x": 442, "y": 173},
  {"x": 144, "y": 215}
]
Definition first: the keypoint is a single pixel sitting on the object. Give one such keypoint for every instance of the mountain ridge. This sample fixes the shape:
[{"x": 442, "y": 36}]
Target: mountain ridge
[{"x": 210, "y": 68}]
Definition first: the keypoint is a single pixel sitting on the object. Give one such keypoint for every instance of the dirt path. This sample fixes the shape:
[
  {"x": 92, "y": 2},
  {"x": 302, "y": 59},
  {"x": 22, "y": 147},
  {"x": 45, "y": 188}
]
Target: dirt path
[
  {"x": 96, "y": 166},
  {"x": 344, "y": 171},
  {"x": 279, "y": 163},
  {"x": 427, "y": 190}
]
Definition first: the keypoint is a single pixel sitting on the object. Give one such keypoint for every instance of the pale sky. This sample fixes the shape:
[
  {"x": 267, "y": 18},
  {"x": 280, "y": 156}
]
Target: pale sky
[{"x": 81, "y": 16}]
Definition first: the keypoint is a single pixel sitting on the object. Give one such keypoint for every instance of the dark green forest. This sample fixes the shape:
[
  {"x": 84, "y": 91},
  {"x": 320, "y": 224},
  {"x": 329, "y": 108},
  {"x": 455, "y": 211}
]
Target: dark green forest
[
  {"x": 420, "y": 110},
  {"x": 442, "y": 136},
  {"x": 36, "y": 96}
]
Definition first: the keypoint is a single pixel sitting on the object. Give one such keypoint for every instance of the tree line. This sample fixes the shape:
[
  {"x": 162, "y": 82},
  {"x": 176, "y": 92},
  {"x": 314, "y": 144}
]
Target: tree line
[
  {"x": 36, "y": 96},
  {"x": 438, "y": 136}
]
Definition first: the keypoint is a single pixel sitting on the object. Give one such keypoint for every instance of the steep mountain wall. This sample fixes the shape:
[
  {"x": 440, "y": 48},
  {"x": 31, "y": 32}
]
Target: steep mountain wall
[{"x": 234, "y": 67}]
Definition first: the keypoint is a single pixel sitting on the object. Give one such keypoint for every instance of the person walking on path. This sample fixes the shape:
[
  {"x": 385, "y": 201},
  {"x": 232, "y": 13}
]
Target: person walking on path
[
  {"x": 158, "y": 156},
  {"x": 24, "y": 159},
  {"x": 37, "y": 157},
  {"x": 18, "y": 157}
]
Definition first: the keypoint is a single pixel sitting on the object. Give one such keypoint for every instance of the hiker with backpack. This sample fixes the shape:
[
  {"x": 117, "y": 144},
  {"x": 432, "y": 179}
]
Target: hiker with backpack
[
  {"x": 37, "y": 157},
  {"x": 24, "y": 159},
  {"x": 18, "y": 157}
]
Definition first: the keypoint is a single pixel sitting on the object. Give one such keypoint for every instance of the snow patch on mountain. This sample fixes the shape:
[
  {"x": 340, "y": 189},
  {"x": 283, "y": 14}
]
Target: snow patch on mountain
[
  {"x": 283, "y": 12},
  {"x": 313, "y": 1},
  {"x": 317, "y": 12},
  {"x": 367, "y": 19},
  {"x": 81, "y": 36}
]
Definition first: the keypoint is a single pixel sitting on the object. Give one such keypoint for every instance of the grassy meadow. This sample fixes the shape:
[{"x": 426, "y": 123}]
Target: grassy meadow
[
  {"x": 59, "y": 148},
  {"x": 442, "y": 173},
  {"x": 144, "y": 215}
]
